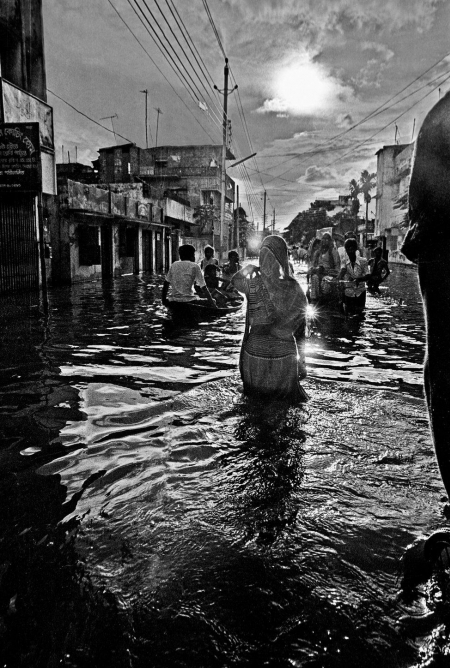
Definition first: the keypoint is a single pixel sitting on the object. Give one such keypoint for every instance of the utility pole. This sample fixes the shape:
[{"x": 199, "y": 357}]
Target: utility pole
[
  {"x": 273, "y": 222},
  {"x": 158, "y": 111},
  {"x": 236, "y": 222},
  {"x": 146, "y": 116},
  {"x": 223, "y": 183},
  {"x": 264, "y": 215}
]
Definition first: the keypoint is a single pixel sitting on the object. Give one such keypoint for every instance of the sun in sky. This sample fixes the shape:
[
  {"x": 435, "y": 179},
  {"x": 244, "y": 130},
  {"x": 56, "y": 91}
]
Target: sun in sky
[{"x": 301, "y": 86}]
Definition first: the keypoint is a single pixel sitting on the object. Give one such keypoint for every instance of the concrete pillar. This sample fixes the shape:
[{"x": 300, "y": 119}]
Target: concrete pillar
[
  {"x": 154, "y": 251},
  {"x": 140, "y": 253}
]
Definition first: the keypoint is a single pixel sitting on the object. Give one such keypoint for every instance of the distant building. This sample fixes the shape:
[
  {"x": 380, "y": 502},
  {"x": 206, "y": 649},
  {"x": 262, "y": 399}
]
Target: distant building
[
  {"x": 391, "y": 216},
  {"x": 107, "y": 230},
  {"x": 190, "y": 175},
  {"x": 27, "y": 157}
]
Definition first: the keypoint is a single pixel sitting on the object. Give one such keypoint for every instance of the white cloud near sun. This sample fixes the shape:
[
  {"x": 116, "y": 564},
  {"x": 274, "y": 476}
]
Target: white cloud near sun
[{"x": 301, "y": 87}]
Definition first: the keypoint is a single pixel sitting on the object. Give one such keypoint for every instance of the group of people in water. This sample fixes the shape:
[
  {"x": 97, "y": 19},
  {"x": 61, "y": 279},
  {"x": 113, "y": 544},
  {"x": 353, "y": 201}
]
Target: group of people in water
[
  {"x": 272, "y": 360},
  {"x": 337, "y": 269}
]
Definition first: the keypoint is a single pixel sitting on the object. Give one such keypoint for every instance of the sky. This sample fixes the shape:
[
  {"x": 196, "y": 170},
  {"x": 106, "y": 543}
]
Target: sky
[{"x": 322, "y": 84}]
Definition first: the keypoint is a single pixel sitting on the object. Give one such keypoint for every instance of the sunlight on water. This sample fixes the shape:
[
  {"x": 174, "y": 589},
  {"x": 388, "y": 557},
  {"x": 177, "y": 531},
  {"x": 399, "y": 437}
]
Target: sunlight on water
[{"x": 228, "y": 532}]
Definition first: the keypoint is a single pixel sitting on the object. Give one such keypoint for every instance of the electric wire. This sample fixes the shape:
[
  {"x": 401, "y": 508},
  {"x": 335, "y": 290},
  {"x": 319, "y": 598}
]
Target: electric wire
[
  {"x": 195, "y": 94},
  {"x": 390, "y": 122},
  {"x": 202, "y": 83},
  {"x": 216, "y": 32},
  {"x": 88, "y": 117},
  {"x": 379, "y": 110},
  {"x": 189, "y": 41},
  {"x": 159, "y": 69}
]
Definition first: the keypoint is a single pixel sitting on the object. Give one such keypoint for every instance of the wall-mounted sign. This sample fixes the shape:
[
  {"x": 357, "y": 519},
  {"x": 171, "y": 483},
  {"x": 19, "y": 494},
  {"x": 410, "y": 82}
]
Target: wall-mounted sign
[
  {"x": 20, "y": 162},
  {"x": 20, "y": 107}
]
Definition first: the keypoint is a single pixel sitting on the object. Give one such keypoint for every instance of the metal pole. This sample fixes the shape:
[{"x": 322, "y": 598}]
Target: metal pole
[
  {"x": 236, "y": 222},
  {"x": 42, "y": 251},
  {"x": 224, "y": 157},
  {"x": 264, "y": 216},
  {"x": 146, "y": 116},
  {"x": 158, "y": 111}
]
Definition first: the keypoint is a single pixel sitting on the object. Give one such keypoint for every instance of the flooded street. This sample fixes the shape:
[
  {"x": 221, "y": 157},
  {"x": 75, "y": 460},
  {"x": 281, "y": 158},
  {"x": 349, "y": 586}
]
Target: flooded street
[{"x": 153, "y": 517}]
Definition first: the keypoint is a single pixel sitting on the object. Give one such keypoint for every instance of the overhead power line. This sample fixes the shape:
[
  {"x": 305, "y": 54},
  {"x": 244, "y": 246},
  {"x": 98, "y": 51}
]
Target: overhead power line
[
  {"x": 89, "y": 117},
  {"x": 390, "y": 122},
  {"x": 181, "y": 61},
  {"x": 195, "y": 94},
  {"x": 216, "y": 32},
  {"x": 382, "y": 108},
  {"x": 158, "y": 68}
]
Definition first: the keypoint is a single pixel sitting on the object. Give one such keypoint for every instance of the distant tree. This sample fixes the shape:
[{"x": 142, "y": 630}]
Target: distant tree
[
  {"x": 245, "y": 228},
  {"x": 206, "y": 215},
  {"x": 354, "y": 191},
  {"x": 367, "y": 182}
]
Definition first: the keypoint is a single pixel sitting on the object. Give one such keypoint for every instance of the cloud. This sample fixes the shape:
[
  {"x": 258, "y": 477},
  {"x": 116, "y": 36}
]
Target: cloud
[
  {"x": 300, "y": 87},
  {"x": 319, "y": 175},
  {"x": 344, "y": 120},
  {"x": 384, "y": 51}
]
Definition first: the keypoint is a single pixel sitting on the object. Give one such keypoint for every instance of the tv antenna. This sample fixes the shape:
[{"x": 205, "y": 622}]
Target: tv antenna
[{"x": 110, "y": 118}]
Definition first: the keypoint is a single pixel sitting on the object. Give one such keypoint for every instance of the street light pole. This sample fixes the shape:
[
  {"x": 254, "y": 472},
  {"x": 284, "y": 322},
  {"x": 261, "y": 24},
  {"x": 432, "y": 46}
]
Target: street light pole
[{"x": 264, "y": 216}]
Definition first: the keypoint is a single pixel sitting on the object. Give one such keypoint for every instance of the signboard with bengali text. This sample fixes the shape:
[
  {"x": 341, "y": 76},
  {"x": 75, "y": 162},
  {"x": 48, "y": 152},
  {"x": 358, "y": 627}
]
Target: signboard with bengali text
[
  {"x": 20, "y": 107},
  {"x": 20, "y": 161}
]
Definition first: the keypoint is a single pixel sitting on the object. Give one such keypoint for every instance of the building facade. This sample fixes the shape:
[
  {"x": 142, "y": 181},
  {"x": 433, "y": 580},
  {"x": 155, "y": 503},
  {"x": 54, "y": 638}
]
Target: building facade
[
  {"x": 27, "y": 157},
  {"x": 391, "y": 215},
  {"x": 189, "y": 175},
  {"x": 103, "y": 231}
]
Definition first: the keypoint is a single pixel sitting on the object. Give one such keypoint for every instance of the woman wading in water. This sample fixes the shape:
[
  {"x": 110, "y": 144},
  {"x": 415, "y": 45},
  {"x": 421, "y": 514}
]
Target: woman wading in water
[{"x": 271, "y": 362}]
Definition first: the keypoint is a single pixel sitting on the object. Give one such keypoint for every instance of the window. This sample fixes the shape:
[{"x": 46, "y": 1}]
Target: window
[
  {"x": 207, "y": 197},
  {"x": 127, "y": 241},
  {"x": 88, "y": 246}
]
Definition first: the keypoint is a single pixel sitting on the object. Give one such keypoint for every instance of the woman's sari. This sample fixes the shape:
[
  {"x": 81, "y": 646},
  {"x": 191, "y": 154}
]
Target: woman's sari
[{"x": 270, "y": 361}]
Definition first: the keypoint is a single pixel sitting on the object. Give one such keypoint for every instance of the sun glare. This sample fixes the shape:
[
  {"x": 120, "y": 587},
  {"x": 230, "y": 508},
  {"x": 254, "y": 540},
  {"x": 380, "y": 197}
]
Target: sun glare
[{"x": 304, "y": 87}]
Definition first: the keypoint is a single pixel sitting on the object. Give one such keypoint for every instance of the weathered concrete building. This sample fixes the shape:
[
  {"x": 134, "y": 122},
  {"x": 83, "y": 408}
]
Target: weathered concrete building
[
  {"x": 391, "y": 216},
  {"x": 188, "y": 175},
  {"x": 27, "y": 160},
  {"x": 108, "y": 230}
]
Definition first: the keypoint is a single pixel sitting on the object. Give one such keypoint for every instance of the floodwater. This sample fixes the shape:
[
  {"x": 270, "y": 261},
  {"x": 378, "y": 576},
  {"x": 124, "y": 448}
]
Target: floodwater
[{"x": 152, "y": 517}]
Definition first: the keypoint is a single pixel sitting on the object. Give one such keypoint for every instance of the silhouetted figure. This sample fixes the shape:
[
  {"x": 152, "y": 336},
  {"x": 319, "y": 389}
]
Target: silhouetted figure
[{"x": 427, "y": 243}]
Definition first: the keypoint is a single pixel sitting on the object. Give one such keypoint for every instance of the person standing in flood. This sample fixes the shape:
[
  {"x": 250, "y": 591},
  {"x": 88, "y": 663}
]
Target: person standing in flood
[
  {"x": 354, "y": 273},
  {"x": 271, "y": 363},
  {"x": 379, "y": 271},
  {"x": 326, "y": 265}
]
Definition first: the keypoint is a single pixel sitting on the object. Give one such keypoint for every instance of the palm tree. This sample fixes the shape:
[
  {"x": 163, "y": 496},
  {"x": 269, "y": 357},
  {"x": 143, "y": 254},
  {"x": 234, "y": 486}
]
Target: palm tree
[
  {"x": 366, "y": 183},
  {"x": 354, "y": 191}
]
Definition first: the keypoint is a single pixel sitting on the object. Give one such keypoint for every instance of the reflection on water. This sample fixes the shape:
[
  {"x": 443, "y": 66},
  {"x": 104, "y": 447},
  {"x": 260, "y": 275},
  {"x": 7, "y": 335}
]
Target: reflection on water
[{"x": 204, "y": 529}]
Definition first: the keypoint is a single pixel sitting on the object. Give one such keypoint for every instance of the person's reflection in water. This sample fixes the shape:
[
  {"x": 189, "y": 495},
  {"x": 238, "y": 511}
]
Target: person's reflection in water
[{"x": 271, "y": 467}]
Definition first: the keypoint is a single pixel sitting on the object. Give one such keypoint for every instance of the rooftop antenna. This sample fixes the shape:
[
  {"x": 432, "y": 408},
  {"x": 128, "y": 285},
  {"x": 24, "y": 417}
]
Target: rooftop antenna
[
  {"x": 158, "y": 111},
  {"x": 110, "y": 118},
  {"x": 62, "y": 152},
  {"x": 414, "y": 125},
  {"x": 146, "y": 115}
]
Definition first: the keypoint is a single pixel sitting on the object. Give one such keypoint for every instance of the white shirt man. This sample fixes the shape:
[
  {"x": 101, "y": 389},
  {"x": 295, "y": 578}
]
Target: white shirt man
[{"x": 182, "y": 276}]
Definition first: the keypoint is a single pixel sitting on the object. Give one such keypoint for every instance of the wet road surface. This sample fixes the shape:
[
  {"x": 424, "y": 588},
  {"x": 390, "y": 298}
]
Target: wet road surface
[{"x": 152, "y": 516}]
